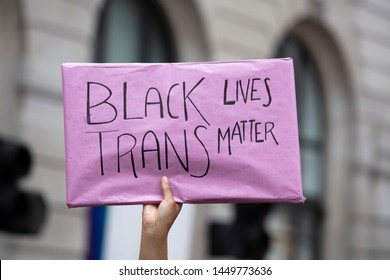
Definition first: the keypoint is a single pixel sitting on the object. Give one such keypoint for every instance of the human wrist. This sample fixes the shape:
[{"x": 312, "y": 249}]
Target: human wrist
[
  {"x": 154, "y": 245},
  {"x": 155, "y": 233}
]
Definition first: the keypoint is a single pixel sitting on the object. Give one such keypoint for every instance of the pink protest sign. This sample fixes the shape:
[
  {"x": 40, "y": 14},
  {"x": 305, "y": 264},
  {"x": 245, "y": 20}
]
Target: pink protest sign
[{"x": 220, "y": 131}]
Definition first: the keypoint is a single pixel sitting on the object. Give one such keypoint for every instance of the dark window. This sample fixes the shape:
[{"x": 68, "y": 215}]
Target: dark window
[
  {"x": 134, "y": 31},
  {"x": 305, "y": 220}
]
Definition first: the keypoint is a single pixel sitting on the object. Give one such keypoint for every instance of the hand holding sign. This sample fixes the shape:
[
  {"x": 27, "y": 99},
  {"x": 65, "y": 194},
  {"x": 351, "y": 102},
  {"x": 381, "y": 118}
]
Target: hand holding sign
[{"x": 158, "y": 219}]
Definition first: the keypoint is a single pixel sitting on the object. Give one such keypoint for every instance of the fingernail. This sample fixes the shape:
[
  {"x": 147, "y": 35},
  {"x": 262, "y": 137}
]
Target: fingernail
[{"x": 165, "y": 180}]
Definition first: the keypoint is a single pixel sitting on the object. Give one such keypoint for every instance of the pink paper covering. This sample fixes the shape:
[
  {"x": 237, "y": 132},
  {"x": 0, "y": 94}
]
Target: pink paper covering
[{"x": 220, "y": 131}]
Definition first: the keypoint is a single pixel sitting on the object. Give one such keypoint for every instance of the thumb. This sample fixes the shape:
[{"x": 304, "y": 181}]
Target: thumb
[{"x": 167, "y": 191}]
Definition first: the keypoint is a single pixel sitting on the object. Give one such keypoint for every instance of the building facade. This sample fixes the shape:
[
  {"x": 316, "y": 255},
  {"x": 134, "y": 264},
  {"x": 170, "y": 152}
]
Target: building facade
[{"x": 341, "y": 51}]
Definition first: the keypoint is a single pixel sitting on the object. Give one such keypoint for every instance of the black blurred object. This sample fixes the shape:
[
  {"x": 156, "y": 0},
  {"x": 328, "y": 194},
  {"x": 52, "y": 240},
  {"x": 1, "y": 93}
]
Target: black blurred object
[
  {"x": 20, "y": 212},
  {"x": 246, "y": 238}
]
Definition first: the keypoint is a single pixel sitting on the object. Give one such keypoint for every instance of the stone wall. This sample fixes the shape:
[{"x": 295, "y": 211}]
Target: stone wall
[{"x": 355, "y": 39}]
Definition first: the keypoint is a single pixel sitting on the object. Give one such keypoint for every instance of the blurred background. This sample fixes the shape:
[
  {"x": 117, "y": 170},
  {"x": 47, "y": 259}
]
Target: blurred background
[{"x": 341, "y": 52}]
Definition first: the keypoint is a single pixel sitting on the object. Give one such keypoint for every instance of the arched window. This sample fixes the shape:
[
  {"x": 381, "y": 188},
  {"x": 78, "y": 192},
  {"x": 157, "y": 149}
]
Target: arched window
[
  {"x": 129, "y": 31},
  {"x": 311, "y": 121},
  {"x": 302, "y": 238},
  {"x": 134, "y": 31}
]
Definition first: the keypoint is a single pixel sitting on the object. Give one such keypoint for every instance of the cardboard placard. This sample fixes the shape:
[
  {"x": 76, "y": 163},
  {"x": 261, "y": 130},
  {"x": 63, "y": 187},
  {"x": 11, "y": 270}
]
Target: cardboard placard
[{"x": 220, "y": 131}]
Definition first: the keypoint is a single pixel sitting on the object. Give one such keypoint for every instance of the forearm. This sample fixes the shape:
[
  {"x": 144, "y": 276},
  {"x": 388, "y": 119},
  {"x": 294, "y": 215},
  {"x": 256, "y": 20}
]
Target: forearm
[{"x": 153, "y": 246}]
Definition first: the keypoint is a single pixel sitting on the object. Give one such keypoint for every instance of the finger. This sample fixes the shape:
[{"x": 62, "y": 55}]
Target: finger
[
  {"x": 148, "y": 208},
  {"x": 167, "y": 191}
]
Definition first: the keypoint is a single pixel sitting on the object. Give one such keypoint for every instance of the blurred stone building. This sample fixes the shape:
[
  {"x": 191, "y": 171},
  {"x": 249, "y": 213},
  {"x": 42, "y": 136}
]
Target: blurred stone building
[{"x": 341, "y": 51}]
